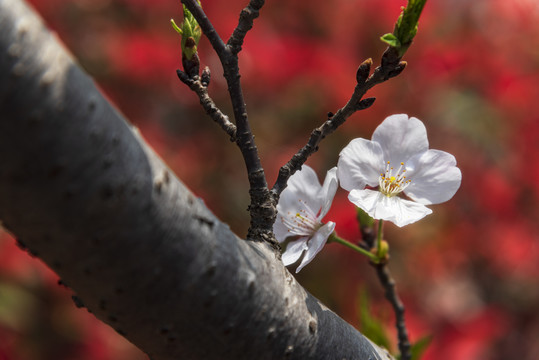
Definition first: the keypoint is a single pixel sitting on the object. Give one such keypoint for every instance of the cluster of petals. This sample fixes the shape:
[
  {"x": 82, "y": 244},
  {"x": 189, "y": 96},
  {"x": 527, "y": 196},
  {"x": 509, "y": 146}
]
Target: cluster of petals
[
  {"x": 391, "y": 177},
  {"x": 301, "y": 207}
]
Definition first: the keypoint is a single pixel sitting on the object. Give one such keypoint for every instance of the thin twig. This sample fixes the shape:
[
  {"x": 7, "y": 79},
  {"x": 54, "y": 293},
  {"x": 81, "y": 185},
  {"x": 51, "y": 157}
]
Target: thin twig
[
  {"x": 262, "y": 207},
  {"x": 369, "y": 237},
  {"x": 391, "y": 295},
  {"x": 391, "y": 66},
  {"x": 245, "y": 24},
  {"x": 200, "y": 87}
]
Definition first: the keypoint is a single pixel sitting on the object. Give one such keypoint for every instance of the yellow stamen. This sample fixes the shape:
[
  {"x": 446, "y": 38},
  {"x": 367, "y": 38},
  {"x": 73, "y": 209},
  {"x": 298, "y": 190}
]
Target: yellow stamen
[{"x": 393, "y": 182}]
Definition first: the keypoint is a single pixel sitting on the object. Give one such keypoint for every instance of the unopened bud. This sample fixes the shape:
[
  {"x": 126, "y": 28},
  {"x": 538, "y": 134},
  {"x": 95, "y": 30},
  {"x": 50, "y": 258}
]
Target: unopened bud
[
  {"x": 398, "y": 69},
  {"x": 363, "y": 71},
  {"x": 365, "y": 103},
  {"x": 383, "y": 250}
]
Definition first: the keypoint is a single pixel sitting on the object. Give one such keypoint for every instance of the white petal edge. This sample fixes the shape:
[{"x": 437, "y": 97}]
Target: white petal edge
[
  {"x": 331, "y": 183},
  {"x": 397, "y": 210},
  {"x": 304, "y": 186},
  {"x": 401, "y": 137},
  {"x": 360, "y": 164},
  {"x": 294, "y": 250},
  {"x": 435, "y": 177},
  {"x": 316, "y": 244},
  {"x": 280, "y": 230}
]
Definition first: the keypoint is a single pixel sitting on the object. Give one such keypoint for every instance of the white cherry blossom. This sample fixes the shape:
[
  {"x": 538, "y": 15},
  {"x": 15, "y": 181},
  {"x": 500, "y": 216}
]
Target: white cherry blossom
[
  {"x": 301, "y": 207},
  {"x": 396, "y": 162}
]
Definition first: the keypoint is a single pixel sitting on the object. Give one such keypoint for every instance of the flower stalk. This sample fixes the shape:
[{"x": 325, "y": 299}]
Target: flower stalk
[
  {"x": 335, "y": 238},
  {"x": 379, "y": 237}
]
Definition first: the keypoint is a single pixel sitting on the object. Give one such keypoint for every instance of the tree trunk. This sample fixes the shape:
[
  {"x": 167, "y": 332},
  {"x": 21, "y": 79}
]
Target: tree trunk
[{"x": 82, "y": 191}]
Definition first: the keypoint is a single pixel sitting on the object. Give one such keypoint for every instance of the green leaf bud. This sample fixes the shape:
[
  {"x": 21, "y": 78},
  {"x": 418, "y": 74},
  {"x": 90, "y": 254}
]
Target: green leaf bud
[
  {"x": 405, "y": 27},
  {"x": 190, "y": 32}
]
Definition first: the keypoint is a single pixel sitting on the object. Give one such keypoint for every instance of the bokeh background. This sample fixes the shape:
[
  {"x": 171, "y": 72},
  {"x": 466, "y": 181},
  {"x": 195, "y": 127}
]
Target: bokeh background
[{"x": 468, "y": 273}]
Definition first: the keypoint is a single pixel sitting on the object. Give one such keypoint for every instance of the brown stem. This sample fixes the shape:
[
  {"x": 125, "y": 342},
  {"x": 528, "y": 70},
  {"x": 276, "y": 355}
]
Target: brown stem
[
  {"x": 200, "y": 87},
  {"x": 387, "y": 281},
  {"x": 369, "y": 237},
  {"x": 247, "y": 17}
]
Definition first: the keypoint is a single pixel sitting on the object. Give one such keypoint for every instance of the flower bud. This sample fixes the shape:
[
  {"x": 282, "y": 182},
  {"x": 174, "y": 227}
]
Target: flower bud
[
  {"x": 363, "y": 71},
  {"x": 383, "y": 251}
]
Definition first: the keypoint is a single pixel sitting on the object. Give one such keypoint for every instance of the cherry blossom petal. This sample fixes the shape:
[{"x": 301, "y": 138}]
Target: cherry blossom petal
[
  {"x": 360, "y": 164},
  {"x": 435, "y": 177},
  {"x": 316, "y": 243},
  {"x": 401, "y": 138},
  {"x": 294, "y": 250},
  {"x": 395, "y": 209},
  {"x": 328, "y": 191},
  {"x": 304, "y": 186},
  {"x": 280, "y": 230}
]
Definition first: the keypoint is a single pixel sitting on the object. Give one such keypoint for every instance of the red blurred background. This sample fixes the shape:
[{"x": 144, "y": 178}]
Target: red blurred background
[{"x": 467, "y": 273}]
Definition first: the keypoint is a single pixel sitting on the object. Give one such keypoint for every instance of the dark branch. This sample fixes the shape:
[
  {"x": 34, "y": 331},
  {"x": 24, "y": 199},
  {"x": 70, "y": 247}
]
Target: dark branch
[
  {"x": 262, "y": 207},
  {"x": 200, "y": 86},
  {"x": 245, "y": 24},
  {"x": 391, "y": 66}
]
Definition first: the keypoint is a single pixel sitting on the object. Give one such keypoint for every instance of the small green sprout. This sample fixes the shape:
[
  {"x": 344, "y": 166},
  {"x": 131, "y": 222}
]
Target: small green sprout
[
  {"x": 190, "y": 32},
  {"x": 406, "y": 26}
]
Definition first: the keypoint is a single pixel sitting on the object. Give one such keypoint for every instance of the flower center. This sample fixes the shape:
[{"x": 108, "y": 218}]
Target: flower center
[
  {"x": 303, "y": 222},
  {"x": 393, "y": 182}
]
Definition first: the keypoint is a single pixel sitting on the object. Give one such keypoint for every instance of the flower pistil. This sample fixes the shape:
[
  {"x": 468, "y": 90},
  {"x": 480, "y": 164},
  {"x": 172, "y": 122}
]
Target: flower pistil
[{"x": 393, "y": 182}]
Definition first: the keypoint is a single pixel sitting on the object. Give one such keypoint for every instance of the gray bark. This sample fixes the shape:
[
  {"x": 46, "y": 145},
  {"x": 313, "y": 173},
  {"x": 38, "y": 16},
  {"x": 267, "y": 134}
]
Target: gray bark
[{"x": 81, "y": 190}]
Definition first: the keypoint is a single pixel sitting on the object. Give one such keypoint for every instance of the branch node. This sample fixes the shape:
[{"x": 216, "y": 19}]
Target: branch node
[
  {"x": 205, "y": 77},
  {"x": 184, "y": 78},
  {"x": 365, "y": 103},
  {"x": 191, "y": 66},
  {"x": 390, "y": 58}
]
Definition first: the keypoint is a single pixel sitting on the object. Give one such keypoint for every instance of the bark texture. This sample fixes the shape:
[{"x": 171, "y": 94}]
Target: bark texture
[{"x": 81, "y": 190}]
